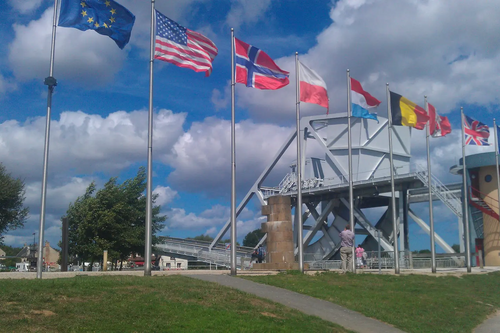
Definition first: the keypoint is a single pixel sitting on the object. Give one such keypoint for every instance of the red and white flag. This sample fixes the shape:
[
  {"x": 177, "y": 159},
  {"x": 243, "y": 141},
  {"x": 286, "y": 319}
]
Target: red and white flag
[
  {"x": 438, "y": 125},
  {"x": 312, "y": 87},
  {"x": 183, "y": 47},
  {"x": 256, "y": 69}
]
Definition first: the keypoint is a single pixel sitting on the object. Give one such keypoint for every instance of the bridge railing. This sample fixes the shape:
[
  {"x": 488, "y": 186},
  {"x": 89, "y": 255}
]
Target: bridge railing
[{"x": 219, "y": 255}]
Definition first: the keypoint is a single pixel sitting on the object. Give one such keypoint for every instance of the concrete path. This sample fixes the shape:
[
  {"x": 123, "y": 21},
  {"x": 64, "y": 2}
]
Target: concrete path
[
  {"x": 490, "y": 325},
  {"x": 334, "y": 313}
]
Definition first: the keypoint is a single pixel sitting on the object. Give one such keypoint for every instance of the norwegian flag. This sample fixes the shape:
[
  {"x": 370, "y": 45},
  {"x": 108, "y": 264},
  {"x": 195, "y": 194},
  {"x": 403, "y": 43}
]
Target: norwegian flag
[
  {"x": 476, "y": 133},
  {"x": 254, "y": 68}
]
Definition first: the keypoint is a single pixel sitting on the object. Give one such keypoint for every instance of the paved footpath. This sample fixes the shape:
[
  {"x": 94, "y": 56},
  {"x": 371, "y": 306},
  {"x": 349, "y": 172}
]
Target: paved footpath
[
  {"x": 334, "y": 313},
  {"x": 490, "y": 325}
]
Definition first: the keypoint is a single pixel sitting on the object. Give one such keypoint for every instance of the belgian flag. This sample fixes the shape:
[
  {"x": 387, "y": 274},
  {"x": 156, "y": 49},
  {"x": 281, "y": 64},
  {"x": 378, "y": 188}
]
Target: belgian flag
[{"x": 406, "y": 113}]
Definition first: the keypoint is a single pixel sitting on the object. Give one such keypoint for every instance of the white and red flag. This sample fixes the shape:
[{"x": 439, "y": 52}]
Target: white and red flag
[
  {"x": 312, "y": 87},
  {"x": 438, "y": 125},
  {"x": 183, "y": 47}
]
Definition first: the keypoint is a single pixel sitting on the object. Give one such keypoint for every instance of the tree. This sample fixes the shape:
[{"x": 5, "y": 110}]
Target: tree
[
  {"x": 253, "y": 238},
  {"x": 456, "y": 248},
  {"x": 205, "y": 238},
  {"x": 10, "y": 252},
  {"x": 112, "y": 219},
  {"x": 12, "y": 213}
]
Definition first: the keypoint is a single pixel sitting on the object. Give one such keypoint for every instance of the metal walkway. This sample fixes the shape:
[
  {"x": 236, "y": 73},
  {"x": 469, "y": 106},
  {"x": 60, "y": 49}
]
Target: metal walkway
[{"x": 219, "y": 255}]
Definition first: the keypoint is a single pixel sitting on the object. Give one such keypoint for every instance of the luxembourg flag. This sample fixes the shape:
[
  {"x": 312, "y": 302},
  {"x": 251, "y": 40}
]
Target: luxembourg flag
[
  {"x": 362, "y": 101},
  {"x": 312, "y": 87}
]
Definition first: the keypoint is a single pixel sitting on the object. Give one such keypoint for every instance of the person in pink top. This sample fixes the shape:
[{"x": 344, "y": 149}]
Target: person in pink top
[{"x": 359, "y": 256}]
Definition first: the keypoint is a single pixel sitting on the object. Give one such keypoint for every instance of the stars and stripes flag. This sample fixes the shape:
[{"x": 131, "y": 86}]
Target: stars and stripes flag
[
  {"x": 476, "y": 133},
  {"x": 183, "y": 47}
]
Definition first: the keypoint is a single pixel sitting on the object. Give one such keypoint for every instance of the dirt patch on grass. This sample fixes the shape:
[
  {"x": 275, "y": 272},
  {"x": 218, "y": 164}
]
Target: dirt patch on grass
[
  {"x": 262, "y": 304},
  {"x": 64, "y": 299},
  {"x": 46, "y": 313},
  {"x": 267, "y": 314}
]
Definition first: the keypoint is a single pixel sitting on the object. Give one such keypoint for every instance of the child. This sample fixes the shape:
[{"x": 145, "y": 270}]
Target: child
[{"x": 359, "y": 256}]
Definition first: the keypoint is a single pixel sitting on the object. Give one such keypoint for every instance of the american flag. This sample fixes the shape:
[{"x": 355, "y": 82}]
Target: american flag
[
  {"x": 476, "y": 133},
  {"x": 183, "y": 47}
]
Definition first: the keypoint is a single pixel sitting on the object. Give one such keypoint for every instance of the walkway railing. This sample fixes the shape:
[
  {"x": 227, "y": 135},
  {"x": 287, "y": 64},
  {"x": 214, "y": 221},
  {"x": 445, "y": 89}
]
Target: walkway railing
[
  {"x": 441, "y": 191},
  {"x": 219, "y": 255},
  {"x": 408, "y": 260}
]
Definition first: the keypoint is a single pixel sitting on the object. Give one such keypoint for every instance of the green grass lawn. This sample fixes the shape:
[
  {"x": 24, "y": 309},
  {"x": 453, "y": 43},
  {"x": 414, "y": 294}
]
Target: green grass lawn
[
  {"x": 143, "y": 304},
  {"x": 413, "y": 303}
]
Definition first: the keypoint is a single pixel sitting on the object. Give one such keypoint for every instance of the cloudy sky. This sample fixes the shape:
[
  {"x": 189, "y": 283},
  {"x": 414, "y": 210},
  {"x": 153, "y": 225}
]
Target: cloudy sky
[{"x": 447, "y": 50}]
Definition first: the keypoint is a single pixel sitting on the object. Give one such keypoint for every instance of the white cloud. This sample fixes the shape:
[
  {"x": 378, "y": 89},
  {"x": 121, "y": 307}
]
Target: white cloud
[
  {"x": 165, "y": 195},
  {"x": 179, "y": 219},
  {"x": 85, "y": 143},
  {"x": 202, "y": 156},
  {"x": 59, "y": 196},
  {"x": 25, "y": 6},
  {"x": 84, "y": 57},
  {"x": 213, "y": 219},
  {"x": 246, "y": 12},
  {"x": 447, "y": 51},
  {"x": 221, "y": 100},
  {"x": 52, "y": 231},
  {"x": 6, "y": 85}
]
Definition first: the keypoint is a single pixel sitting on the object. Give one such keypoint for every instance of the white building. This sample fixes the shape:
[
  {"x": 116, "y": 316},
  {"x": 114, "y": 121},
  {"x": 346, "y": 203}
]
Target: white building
[{"x": 172, "y": 263}]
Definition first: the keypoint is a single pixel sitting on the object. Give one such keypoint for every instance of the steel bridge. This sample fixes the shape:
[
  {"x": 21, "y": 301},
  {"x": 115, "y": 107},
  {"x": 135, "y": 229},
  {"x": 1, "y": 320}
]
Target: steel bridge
[
  {"x": 325, "y": 190},
  {"x": 325, "y": 186}
]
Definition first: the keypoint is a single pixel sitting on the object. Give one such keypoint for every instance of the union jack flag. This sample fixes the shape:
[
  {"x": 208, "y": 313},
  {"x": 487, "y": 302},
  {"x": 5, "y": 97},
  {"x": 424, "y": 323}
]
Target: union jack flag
[{"x": 476, "y": 133}]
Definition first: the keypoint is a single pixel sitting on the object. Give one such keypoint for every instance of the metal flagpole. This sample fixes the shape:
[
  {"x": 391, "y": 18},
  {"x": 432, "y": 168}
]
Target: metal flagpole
[
  {"x": 496, "y": 160},
  {"x": 349, "y": 144},
  {"x": 149, "y": 197},
  {"x": 465, "y": 198},
  {"x": 51, "y": 82},
  {"x": 393, "y": 202},
  {"x": 429, "y": 185},
  {"x": 298, "y": 207},
  {"x": 233, "y": 165}
]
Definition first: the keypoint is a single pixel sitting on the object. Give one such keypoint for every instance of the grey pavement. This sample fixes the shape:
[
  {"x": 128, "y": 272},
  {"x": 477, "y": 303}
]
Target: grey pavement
[
  {"x": 490, "y": 325},
  {"x": 334, "y": 313}
]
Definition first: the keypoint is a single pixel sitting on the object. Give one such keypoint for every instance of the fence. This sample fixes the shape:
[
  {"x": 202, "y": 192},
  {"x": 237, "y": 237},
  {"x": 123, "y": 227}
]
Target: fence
[{"x": 407, "y": 260}]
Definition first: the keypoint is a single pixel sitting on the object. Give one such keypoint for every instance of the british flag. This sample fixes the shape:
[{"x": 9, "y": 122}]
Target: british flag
[{"x": 476, "y": 133}]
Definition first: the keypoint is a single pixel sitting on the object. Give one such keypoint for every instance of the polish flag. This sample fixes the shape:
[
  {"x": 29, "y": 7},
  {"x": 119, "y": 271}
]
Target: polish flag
[
  {"x": 312, "y": 87},
  {"x": 438, "y": 125}
]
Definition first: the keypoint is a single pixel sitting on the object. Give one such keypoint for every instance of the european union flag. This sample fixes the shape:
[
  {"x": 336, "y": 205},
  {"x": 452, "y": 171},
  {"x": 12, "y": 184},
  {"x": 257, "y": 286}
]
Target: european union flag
[{"x": 106, "y": 17}]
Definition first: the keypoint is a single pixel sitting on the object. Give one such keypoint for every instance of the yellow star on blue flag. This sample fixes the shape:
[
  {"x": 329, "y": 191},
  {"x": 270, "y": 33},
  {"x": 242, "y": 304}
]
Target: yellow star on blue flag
[{"x": 106, "y": 17}]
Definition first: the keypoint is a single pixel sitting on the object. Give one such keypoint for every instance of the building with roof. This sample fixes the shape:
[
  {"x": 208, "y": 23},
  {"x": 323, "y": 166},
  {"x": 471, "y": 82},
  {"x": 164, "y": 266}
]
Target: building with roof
[
  {"x": 29, "y": 253},
  {"x": 482, "y": 194}
]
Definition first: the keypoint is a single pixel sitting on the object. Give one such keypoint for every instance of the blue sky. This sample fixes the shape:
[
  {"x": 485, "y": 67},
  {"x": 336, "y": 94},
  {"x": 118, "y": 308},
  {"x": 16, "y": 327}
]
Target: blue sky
[{"x": 449, "y": 51}]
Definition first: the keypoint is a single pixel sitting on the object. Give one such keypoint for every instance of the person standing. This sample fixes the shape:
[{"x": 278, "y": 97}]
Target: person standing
[
  {"x": 359, "y": 256},
  {"x": 346, "y": 244}
]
